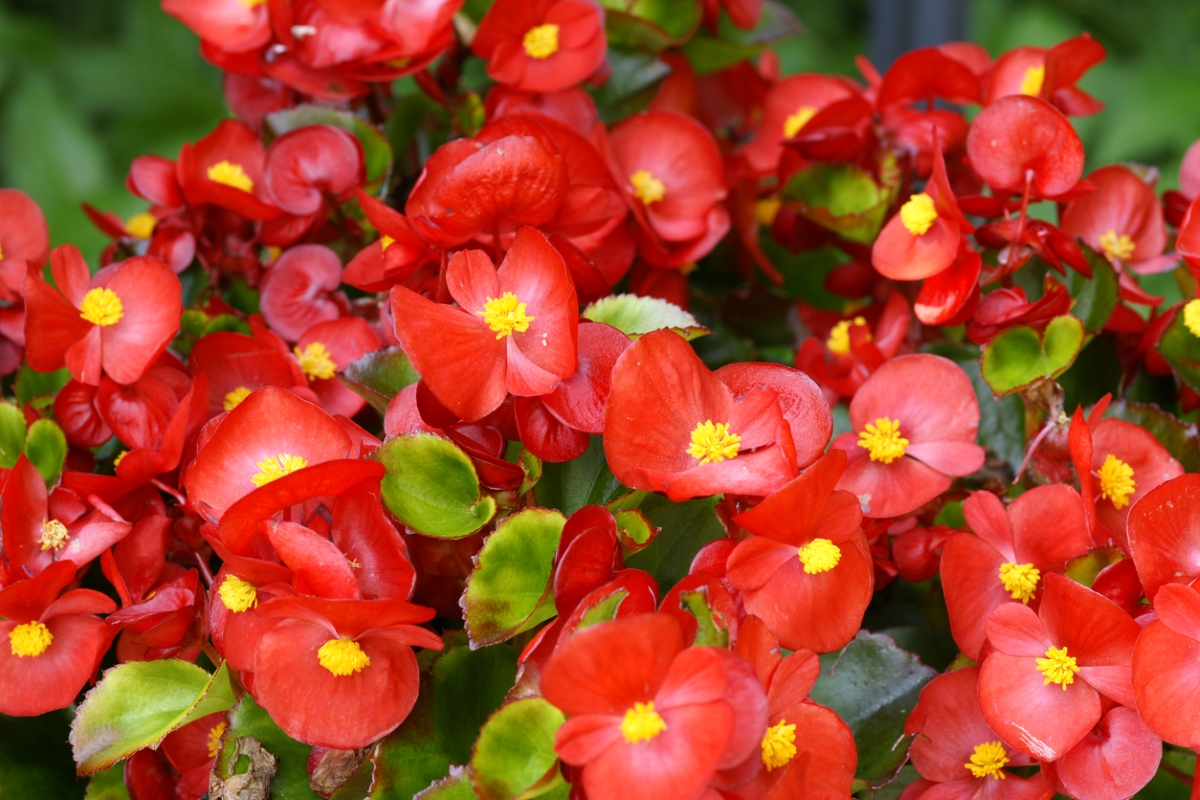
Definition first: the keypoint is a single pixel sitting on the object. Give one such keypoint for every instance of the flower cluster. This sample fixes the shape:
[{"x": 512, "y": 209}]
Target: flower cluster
[{"x": 355, "y": 420}]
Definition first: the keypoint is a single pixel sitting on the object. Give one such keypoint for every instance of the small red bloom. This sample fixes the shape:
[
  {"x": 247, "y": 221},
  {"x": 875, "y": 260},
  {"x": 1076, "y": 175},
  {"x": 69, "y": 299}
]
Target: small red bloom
[
  {"x": 541, "y": 45},
  {"x": 1166, "y": 666},
  {"x": 1003, "y": 308},
  {"x": 787, "y": 109},
  {"x": 300, "y": 290},
  {"x": 326, "y": 349},
  {"x": 306, "y": 164},
  {"x": 24, "y": 239},
  {"x": 1021, "y": 144},
  {"x": 397, "y": 255},
  {"x": 1113, "y": 761},
  {"x": 225, "y": 169},
  {"x": 1122, "y": 219},
  {"x": 236, "y": 365},
  {"x": 1050, "y": 74}
]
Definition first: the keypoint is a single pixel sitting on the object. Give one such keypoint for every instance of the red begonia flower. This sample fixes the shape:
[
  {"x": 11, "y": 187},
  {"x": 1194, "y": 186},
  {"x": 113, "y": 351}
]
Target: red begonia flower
[
  {"x": 579, "y": 400},
  {"x": 139, "y": 413},
  {"x": 52, "y": 645},
  {"x": 142, "y": 464},
  {"x": 163, "y": 625},
  {"x": 300, "y": 290},
  {"x": 24, "y": 239},
  {"x": 228, "y": 24},
  {"x": 807, "y": 574},
  {"x": 1050, "y": 74},
  {"x": 1187, "y": 244},
  {"x": 955, "y": 749},
  {"x": 788, "y": 107},
  {"x": 1164, "y": 534},
  {"x": 572, "y": 106},
  {"x": 541, "y": 45},
  {"x": 1020, "y": 143},
  {"x": 1166, "y": 666},
  {"x": 396, "y": 256},
  {"x": 340, "y": 673},
  {"x": 242, "y": 584},
  {"x": 191, "y": 751},
  {"x": 225, "y": 169},
  {"x": 306, "y": 164},
  {"x": 1113, "y": 761},
  {"x": 1041, "y": 688},
  {"x": 913, "y": 424},
  {"x": 117, "y": 321},
  {"x": 673, "y": 426},
  {"x": 236, "y": 365},
  {"x": 462, "y": 353},
  {"x": 1003, "y": 308},
  {"x": 1122, "y": 219},
  {"x": 647, "y": 717},
  {"x": 670, "y": 169},
  {"x": 326, "y": 349},
  {"x": 76, "y": 413},
  {"x": 252, "y": 97},
  {"x": 1011, "y": 550}
]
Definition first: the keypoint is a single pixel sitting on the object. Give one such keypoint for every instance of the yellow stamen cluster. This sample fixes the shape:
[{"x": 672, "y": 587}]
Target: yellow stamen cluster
[
  {"x": 102, "y": 307},
  {"x": 1, "y": 251},
  {"x": 30, "y": 639},
  {"x": 275, "y": 467},
  {"x": 315, "y": 361},
  {"x": 918, "y": 214},
  {"x": 839, "y": 338},
  {"x": 141, "y": 226},
  {"x": 54, "y": 535},
  {"x": 541, "y": 42},
  {"x": 646, "y": 187},
  {"x": 228, "y": 174},
  {"x": 214, "y": 739},
  {"x": 120, "y": 457},
  {"x": 343, "y": 657},
  {"x": 988, "y": 759},
  {"x": 1191, "y": 316},
  {"x": 819, "y": 555},
  {"x": 713, "y": 442},
  {"x": 234, "y": 399},
  {"x": 1031, "y": 84},
  {"x": 766, "y": 210},
  {"x": 385, "y": 242},
  {"x": 1058, "y": 667},
  {"x": 1117, "y": 247},
  {"x": 796, "y": 122},
  {"x": 253, "y": 3},
  {"x": 505, "y": 314},
  {"x": 1116, "y": 481},
  {"x": 237, "y": 595},
  {"x": 1020, "y": 580},
  {"x": 778, "y": 745},
  {"x": 642, "y": 723},
  {"x": 882, "y": 440}
]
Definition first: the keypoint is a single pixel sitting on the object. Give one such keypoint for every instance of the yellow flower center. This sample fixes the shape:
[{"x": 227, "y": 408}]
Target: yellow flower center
[
  {"x": 766, "y": 210},
  {"x": 315, "y": 361},
  {"x": 235, "y": 398},
  {"x": 778, "y": 745},
  {"x": 839, "y": 338},
  {"x": 30, "y": 639},
  {"x": 343, "y": 657},
  {"x": 819, "y": 555},
  {"x": 1117, "y": 247},
  {"x": 252, "y": 3},
  {"x": 1020, "y": 580},
  {"x": 274, "y": 467},
  {"x": 120, "y": 457},
  {"x": 883, "y": 440},
  {"x": 1191, "y": 316},
  {"x": 989, "y": 758},
  {"x": 1, "y": 252},
  {"x": 714, "y": 442},
  {"x": 54, "y": 535},
  {"x": 141, "y": 226},
  {"x": 918, "y": 214},
  {"x": 1116, "y": 481},
  {"x": 796, "y": 122},
  {"x": 505, "y": 314},
  {"x": 227, "y": 174},
  {"x": 101, "y": 307},
  {"x": 385, "y": 242},
  {"x": 1058, "y": 667},
  {"x": 237, "y": 595},
  {"x": 214, "y": 739},
  {"x": 642, "y": 723},
  {"x": 1031, "y": 84},
  {"x": 646, "y": 187},
  {"x": 541, "y": 42}
]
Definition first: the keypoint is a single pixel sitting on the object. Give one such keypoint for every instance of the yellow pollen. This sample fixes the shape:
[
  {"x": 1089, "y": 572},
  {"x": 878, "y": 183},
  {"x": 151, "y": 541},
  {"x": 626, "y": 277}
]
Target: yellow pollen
[
  {"x": 1116, "y": 481},
  {"x": 646, "y": 187},
  {"x": 505, "y": 314},
  {"x": 101, "y": 307},
  {"x": 235, "y": 398},
  {"x": 54, "y": 535},
  {"x": 541, "y": 42},
  {"x": 1117, "y": 247},
  {"x": 918, "y": 214},
  {"x": 989, "y": 758},
  {"x": 343, "y": 657},
  {"x": 1020, "y": 580},
  {"x": 141, "y": 226},
  {"x": 1031, "y": 84},
  {"x": 766, "y": 210},
  {"x": 385, "y": 242},
  {"x": 796, "y": 122},
  {"x": 252, "y": 3},
  {"x": 315, "y": 361},
  {"x": 1191, "y": 316},
  {"x": 120, "y": 457},
  {"x": 642, "y": 723},
  {"x": 275, "y": 467},
  {"x": 839, "y": 338},
  {"x": 883, "y": 440},
  {"x": 819, "y": 555},
  {"x": 214, "y": 739},
  {"x": 228, "y": 174},
  {"x": 238, "y": 595},
  {"x": 30, "y": 639},
  {"x": 714, "y": 442},
  {"x": 1058, "y": 667},
  {"x": 1, "y": 253},
  {"x": 778, "y": 746}
]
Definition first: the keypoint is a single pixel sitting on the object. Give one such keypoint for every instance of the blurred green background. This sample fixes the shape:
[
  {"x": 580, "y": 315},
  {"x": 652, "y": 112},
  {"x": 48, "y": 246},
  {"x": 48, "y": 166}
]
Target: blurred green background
[{"x": 87, "y": 85}]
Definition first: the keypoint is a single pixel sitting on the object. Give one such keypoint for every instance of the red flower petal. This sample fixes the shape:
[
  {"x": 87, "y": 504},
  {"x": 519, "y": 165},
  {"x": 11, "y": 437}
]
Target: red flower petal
[{"x": 1017, "y": 135}]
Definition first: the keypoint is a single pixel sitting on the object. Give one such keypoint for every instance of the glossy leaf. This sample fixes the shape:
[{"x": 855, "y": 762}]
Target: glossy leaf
[
  {"x": 46, "y": 448},
  {"x": 379, "y": 376},
  {"x": 1095, "y": 297},
  {"x": 412, "y": 756},
  {"x": 39, "y": 388},
  {"x": 1181, "y": 348},
  {"x": 515, "y": 749},
  {"x": 652, "y": 25},
  {"x": 247, "y": 718},
  {"x": 844, "y": 198},
  {"x": 1018, "y": 356},
  {"x": 468, "y": 686},
  {"x": 636, "y": 316},
  {"x": 431, "y": 486},
  {"x": 686, "y": 527},
  {"x": 585, "y": 481},
  {"x": 108, "y": 785},
  {"x": 12, "y": 435},
  {"x": 455, "y": 786}
]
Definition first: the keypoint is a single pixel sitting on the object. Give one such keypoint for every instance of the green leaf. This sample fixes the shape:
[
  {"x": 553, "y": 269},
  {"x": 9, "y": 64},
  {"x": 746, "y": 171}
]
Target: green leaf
[
  {"x": 468, "y": 686},
  {"x": 515, "y": 749},
  {"x": 584, "y": 481},
  {"x": 248, "y": 719},
  {"x": 1095, "y": 298},
  {"x": 652, "y": 25},
  {"x": 431, "y": 486},
  {"x": 1181, "y": 439},
  {"x": 686, "y": 527},
  {"x": 377, "y": 150},
  {"x": 32, "y": 385},
  {"x": 35, "y": 759},
  {"x": 12, "y": 435},
  {"x": 710, "y": 54},
  {"x": 108, "y": 785},
  {"x": 636, "y": 316},
  {"x": 138, "y": 703},
  {"x": 456, "y": 786},
  {"x": 507, "y": 590},
  {"x": 712, "y": 628},
  {"x": 379, "y": 376},
  {"x": 873, "y": 685},
  {"x": 412, "y": 756},
  {"x": 633, "y": 530},
  {"x": 1018, "y": 356},
  {"x": 631, "y": 87},
  {"x": 843, "y": 197},
  {"x": 46, "y": 448},
  {"x": 1181, "y": 348}
]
